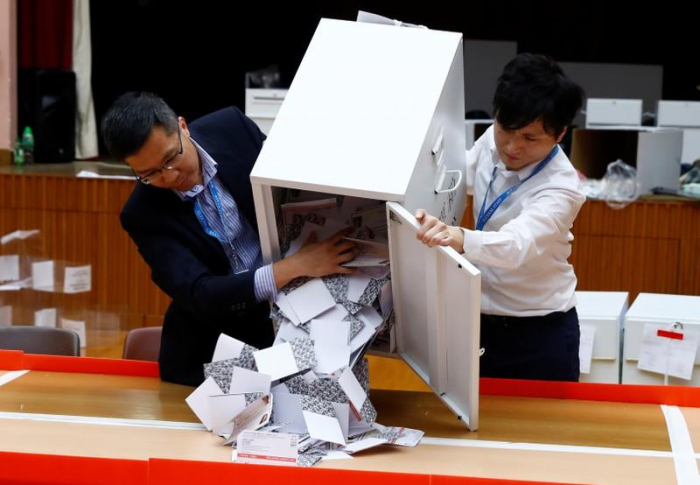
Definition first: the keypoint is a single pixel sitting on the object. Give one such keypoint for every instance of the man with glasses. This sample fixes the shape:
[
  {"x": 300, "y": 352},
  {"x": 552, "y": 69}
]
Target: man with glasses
[{"x": 193, "y": 220}]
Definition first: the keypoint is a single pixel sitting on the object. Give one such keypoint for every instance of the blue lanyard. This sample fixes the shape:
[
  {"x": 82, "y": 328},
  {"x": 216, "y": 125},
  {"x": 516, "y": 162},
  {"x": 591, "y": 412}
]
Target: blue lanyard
[
  {"x": 237, "y": 263},
  {"x": 485, "y": 214}
]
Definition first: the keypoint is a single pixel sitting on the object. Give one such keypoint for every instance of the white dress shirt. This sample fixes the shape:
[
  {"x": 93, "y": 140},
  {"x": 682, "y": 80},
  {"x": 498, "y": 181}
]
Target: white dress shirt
[{"x": 522, "y": 250}]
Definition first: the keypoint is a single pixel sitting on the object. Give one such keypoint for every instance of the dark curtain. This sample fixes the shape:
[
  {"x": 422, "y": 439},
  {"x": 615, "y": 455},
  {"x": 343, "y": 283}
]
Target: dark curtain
[{"x": 45, "y": 31}]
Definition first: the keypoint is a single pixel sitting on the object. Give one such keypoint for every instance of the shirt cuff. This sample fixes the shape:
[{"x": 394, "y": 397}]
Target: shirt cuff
[
  {"x": 264, "y": 284},
  {"x": 473, "y": 241}
]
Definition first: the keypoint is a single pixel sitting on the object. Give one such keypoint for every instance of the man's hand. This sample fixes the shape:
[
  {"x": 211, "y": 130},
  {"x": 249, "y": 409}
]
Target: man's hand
[
  {"x": 317, "y": 259},
  {"x": 433, "y": 232}
]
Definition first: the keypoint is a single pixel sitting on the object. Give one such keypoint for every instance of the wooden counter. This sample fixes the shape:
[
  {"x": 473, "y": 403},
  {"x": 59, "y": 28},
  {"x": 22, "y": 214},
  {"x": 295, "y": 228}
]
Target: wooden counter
[{"x": 520, "y": 438}]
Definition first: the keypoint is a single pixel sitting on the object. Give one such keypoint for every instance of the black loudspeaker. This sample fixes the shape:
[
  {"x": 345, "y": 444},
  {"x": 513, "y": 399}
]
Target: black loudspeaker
[{"x": 48, "y": 103}]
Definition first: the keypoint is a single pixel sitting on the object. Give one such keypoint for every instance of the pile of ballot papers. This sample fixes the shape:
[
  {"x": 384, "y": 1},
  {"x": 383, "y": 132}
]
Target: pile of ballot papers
[{"x": 306, "y": 398}]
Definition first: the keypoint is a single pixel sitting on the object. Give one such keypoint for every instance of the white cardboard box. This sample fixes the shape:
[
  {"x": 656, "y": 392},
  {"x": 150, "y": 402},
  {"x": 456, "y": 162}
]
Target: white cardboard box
[
  {"x": 605, "y": 311},
  {"x": 656, "y": 308}
]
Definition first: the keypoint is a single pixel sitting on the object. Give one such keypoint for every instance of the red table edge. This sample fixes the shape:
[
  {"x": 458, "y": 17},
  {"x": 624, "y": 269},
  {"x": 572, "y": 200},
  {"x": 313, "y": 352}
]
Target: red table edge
[{"x": 12, "y": 360}]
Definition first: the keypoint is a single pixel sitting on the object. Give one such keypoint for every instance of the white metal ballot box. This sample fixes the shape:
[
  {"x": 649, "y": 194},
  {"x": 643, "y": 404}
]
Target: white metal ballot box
[
  {"x": 376, "y": 112},
  {"x": 654, "y": 312},
  {"x": 601, "y": 315}
]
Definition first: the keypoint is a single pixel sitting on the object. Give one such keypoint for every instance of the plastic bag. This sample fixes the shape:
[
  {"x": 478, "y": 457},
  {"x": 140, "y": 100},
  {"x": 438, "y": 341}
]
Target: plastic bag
[{"x": 620, "y": 186}]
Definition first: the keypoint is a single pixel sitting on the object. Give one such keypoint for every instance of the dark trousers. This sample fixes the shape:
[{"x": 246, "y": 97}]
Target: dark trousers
[{"x": 539, "y": 348}]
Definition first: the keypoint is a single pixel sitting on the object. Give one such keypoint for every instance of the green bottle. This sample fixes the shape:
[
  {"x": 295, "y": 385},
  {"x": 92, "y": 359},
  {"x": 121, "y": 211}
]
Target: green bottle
[
  {"x": 19, "y": 153},
  {"x": 28, "y": 144}
]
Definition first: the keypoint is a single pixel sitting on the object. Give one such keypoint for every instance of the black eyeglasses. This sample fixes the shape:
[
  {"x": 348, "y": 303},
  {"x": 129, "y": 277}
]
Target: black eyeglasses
[{"x": 168, "y": 165}]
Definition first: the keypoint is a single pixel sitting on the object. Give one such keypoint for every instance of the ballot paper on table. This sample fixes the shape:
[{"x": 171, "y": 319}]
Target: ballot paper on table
[
  {"x": 77, "y": 279},
  {"x": 310, "y": 300},
  {"x": 398, "y": 436},
  {"x": 43, "y": 275},
  {"x": 363, "y": 444},
  {"x": 668, "y": 352},
  {"x": 286, "y": 359},
  {"x": 198, "y": 401},
  {"x": 370, "y": 254},
  {"x": 287, "y": 409},
  {"x": 256, "y": 415},
  {"x": 342, "y": 413},
  {"x": 223, "y": 408},
  {"x": 9, "y": 267},
  {"x": 362, "y": 407},
  {"x": 321, "y": 420},
  {"x": 263, "y": 448},
  {"x": 46, "y": 317},
  {"x": 18, "y": 235},
  {"x": 585, "y": 350},
  {"x": 17, "y": 285}
]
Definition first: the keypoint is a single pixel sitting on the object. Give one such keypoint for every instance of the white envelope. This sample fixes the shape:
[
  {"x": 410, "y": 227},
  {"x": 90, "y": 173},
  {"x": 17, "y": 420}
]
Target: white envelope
[
  {"x": 198, "y": 401},
  {"x": 43, "y": 275},
  {"x": 357, "y": 283},
  {"x": 330, "y": 344},
  {"x": 45, "y": 317},
  {"x": 362, "y": 337},
  {"x": 223, "y": 409},
  {"x": 289, "y": 331},
  {"x": 324, "y": 428},
  {"x": 18, "y": 235},
  {"x": 277, "y": 361},
  {"x": 370, "y": 317},
  {"x": 310, "y": 300},
  {"x": 244, "y": 380},
  {"x": 363, "y": 444},
  {"x": 9, "y": 267},
  {"x": 342, "y": 412},
  {"x": 352, "y": 388},
  {"x": 287, "y": 409},
  {"x": 338, "y": 312},
  {"x": 227, "y": 348},
  {"x": 286, "y": 307}
]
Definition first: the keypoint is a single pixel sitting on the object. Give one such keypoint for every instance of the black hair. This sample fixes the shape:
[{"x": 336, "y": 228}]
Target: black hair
[
  {"x": 128, "y": 123},
  {"x": 534, "y": 87}
]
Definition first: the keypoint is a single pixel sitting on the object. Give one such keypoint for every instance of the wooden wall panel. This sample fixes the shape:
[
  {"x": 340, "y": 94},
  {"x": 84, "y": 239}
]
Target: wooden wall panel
[{"x": 652, "y": 245}]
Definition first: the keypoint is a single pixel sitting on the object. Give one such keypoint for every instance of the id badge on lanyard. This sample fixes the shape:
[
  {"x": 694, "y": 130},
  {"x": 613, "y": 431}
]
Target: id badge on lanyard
[{"x": 237, "y": 264}]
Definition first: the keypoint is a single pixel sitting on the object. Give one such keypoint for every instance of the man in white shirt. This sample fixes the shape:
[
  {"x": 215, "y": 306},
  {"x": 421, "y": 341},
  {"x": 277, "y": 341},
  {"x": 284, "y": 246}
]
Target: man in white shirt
[{"x": 526, "y": 197}]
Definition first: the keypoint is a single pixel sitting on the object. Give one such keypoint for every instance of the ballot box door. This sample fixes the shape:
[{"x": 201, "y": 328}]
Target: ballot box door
[{"x": 437, "y": 303}]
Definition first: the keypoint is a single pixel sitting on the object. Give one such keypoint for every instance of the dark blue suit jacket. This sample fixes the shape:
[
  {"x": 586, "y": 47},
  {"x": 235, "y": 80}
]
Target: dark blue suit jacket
[{"x": 190, "y": 266}]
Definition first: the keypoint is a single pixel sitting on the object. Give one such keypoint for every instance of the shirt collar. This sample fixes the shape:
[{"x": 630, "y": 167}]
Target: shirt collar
[{"x": 209, "y": 169}]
